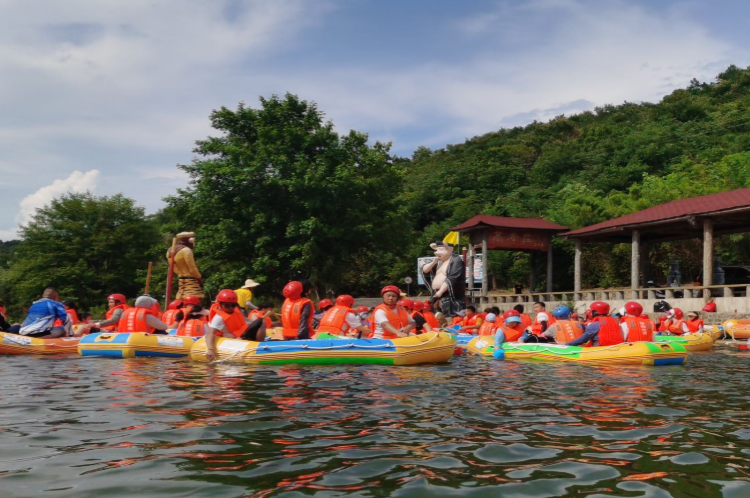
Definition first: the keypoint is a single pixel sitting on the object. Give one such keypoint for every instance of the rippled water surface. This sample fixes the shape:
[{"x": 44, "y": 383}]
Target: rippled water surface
[{"x": 86, "y": 427}]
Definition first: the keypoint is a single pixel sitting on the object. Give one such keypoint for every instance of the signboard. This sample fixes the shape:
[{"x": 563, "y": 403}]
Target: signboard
[
  {"x": 502, "y": 238},
  {"x": 477, "y": 269}
]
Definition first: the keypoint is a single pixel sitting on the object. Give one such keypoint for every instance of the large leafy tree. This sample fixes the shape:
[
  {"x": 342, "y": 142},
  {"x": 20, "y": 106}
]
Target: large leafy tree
[
  {"x": 84, "y": 245},
  {"x": 279, "y": 194}
]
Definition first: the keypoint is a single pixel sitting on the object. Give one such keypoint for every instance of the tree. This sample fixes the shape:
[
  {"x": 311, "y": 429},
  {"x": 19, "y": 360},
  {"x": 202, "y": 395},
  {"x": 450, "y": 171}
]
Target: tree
[
  {"x": 86, "y": 246},
  {"x": 280, "y": 195}
]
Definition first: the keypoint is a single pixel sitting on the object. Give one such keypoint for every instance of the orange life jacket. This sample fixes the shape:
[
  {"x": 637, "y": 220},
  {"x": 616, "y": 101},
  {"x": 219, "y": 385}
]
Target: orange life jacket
[
  {"x": 168, "y": 317},
  {"x": 398, "y": 317},
  {"x": 431, "y": 319},
  {"x": 526, "y": 320},
  {"x": 213, "y": 310},
  {"x": 109, "y": 314},
  {"x": 457, "y": 320},
  {"x": 470, "y": 321},
  {"x": 487, "y": 328},
  {"x": 566, "y": 331},
  {"x": 675, "y": 327},
  {"x": 73, "y": 314},
  {"x": 334, "y": 320},
  {"x": 192, "y": 327},
  {"x": 156, "y": 308},
  {"x": 639, "y": 329},
  {"x": 536, "y": 327},
  {"x": 134, "y": 320},
  {"x": 514, "y": 332},
  {"x": 234, "y": 322},
  {"x": 255, "y": 314},
  {"x": 291, "y": 313},
  {"x": 610, "y": 332},
  {"x": 694, "y": 325}
]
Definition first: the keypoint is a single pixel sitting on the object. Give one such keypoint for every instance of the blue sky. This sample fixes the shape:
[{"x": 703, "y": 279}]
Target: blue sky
[{"x": 109, "y": 96}]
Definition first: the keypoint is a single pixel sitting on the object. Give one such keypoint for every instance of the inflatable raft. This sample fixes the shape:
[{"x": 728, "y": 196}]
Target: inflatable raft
[
  {"x": 691, "y": 342},
  {"x": 627, "y": 353},
  {"x": 736, "y": 329},
  {"x": 433, "y": 347},
  {"x": 21, "y": 344},
  {"x": 135, "y": 344}
]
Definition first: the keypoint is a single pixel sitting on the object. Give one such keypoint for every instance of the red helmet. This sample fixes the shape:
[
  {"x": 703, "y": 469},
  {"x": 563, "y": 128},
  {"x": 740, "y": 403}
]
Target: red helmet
[
  {"x": 293, "y": 290},
  {"x": 600, "y": 308},
  {"x": 362, "y": 309},
  {"x": 574, "y": 316},
  {"x": 645, "y": 316},
  {"x": 345, "y": 300},
  {"x": 678, "y": 313},
  {"x": 406, "y": 303},
  {"x": 633, "y": 308},
  {"x": 175, "y": 305},
  {"x": 325, "y": 304},
  {"x": 227, "y": 296},
  {"x": 390, "y": 288},
  {"x": 118, "y": 297},
  {"x": 510, "y": 313},
  {"x": 191, "y": 301},
  {"x": 662, "y": 318},
  {"x": 588, "y": 314},
  {"x": 418, "y": 306}
]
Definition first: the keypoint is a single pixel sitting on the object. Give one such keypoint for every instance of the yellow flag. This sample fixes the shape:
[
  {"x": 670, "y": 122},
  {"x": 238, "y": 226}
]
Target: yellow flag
[{"x": 452, "y": 238}]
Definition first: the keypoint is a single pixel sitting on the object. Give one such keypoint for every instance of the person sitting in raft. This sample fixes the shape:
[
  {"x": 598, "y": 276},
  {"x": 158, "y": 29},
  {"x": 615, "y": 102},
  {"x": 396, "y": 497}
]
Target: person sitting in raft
[
  {"x": 422, "y": 325},
  {"x": 603, "y": 329},
  {"x": 4, "y": 325},
  {"x": 564, "y": 329},
  {"x": 192, "y": 319},
  {"x": 342, "y": 320},
  {"x": 40, "y": 321},
  {"x": 191, "y": 305},
  {"x": 710, "y": 306},
  {"x": 429, "y": 315},
  {"x": 675, "y": 323},
  {"x": 542, "y": 322},
  {"x": 297, "y": 311},
  {"x": 141, "y": 318},
  {"x": 245, "y": 296},
  {"x": 72, "y": 310},
  {"x": 511, "y": 330},
  {"x": 117, "y": 303},
  {"x": 363, "y": 312},
  {"x": 694, "y": 323},
  {"x": 471, "y": 322},
  {"x": 229, "y": 322},
  {"x": 635, "y": 328},
  {"x": 488, "y": 325},
  {"x": 169, "y": 316},
  {"x": 323, "y": 306},
  {"x": 262, "y": 312},
  {"x": 525, "y": 319},
  {"x": 391, "y": 320}
]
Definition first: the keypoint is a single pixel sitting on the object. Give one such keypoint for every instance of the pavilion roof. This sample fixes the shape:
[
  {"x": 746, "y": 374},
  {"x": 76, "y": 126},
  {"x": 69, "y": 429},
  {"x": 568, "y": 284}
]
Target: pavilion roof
[{"x": 482, "y": 221}]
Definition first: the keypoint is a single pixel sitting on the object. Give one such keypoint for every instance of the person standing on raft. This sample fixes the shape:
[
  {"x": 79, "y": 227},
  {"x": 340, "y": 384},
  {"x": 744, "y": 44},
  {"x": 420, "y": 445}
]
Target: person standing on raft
[
  {"x": 190, "y": 280},
  {"x": 391, "y": 320},
  {"x": 298, "y": 311},
  {"x": 446, "y": 278}
]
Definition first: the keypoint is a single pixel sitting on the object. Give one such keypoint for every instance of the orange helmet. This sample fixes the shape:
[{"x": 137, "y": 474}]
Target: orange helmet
[
  {"x": 120, "y": 298},
  {"x": 227, "y": 296},
  {"x": 175, "y": 305},
  {"x": 293, "y": 290},
  {"x": 362, "y": 309},
  {"x": 390, "y": 288},
  {"x": 645, "y": 316},
  {"x": 325, "y": 304},
  {"x": 345, "y": 300},
  {"x": 406, "y": 303},
  {"x": 418, "y": 306},
  {"x": 191, "y": 301}
]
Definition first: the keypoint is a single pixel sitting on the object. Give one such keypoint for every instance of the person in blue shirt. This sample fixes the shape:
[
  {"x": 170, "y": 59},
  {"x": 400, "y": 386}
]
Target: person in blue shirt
[{"x": 40, "y": 321}]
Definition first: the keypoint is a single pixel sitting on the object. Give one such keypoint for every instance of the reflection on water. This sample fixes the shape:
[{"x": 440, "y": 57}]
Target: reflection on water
[{"x": 80, "y": 427}]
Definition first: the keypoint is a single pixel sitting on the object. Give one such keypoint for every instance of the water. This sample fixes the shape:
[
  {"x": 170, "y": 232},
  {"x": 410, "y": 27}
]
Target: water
[{"x": 90, "y": 427}]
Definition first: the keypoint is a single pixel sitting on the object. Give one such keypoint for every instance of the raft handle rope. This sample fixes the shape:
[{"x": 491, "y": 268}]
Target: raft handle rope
[{"x": 583, "y": 350}]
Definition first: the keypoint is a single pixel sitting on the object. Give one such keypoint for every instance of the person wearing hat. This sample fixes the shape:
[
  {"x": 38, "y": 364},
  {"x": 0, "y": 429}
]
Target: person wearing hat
[
  {"x": 489, "y": 325},
  {"x": 245, "y": 296},
  {"x": 694, "y": 323},
  {"x": 511, "y": 330},
  {"x": 189, "y": 278},
  {"x": 446, "y": 279}
]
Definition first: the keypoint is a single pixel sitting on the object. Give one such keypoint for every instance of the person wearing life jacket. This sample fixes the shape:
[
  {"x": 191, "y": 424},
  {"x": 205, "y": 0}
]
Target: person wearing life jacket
[
  {"x": 141, "y": 318},
  {"x": 649, "y": 321},
  {"x": 710, "y": 306},
  {"x": 323, "y": 306},
  {"x": 419, "y": 319},
  {"x": 488, "y": 325},
  {"x": 390, "y": 320},
  {"x": 472, "y": 321},
  {"x": 72, "y": 310},
  {"x": 694, "y": 323},
  {"x": 168, "y": 316},
  {"x": 228, "y": 322},
  {"x": 525, "y": 319},
  {"x": 511, "y": 330},
  {"x": 564, "y": 329},
  {"x": 191, "y": 305},
  {"x": 263, "y": 311},
  {"x": 363, "y": 312},
  {"x": 542, "y": 319},
  {"x": 297, "y": 311},
  {"x": 675, "y": 323},
  {"x": 191, "y": 320},
  {"x": 342, "y": 320},
  {"x": 635, "y": 328},
  {"x": 117, "y": 304},
  {"x": 603, "y": 329}
]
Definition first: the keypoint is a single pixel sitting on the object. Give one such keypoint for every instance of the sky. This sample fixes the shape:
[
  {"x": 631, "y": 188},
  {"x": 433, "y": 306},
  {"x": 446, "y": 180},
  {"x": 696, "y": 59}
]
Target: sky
[{"x": 110, "y": 96}]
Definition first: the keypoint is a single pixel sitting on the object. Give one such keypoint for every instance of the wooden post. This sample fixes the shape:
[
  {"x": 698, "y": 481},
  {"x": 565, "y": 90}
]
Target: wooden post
[
  {"x": 635, "y": 262},
  {"x": 148, "y": 276},
  {"x": 645, "y": 267},
  {"x": 549, "y": 268},
  {"x": 170, "y": 274},
  {"x": 577, "y": 266},
  {"x": 484, "y": 263},
  {"x": 471, "y": 266},
  {"x": 532, "y": 271},
  {"x": 708, "y": 256}
]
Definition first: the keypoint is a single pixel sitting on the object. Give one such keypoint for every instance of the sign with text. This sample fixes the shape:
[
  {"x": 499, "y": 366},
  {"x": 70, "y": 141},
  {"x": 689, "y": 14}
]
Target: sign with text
[{"x": 500, "y": 238}]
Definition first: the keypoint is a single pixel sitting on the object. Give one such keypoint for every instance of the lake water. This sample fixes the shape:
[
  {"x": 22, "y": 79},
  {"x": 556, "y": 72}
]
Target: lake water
[{"x": 98, "y": 427}]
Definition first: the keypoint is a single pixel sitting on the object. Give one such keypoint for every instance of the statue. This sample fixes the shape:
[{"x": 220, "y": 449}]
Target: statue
[
  {"x": 190, "y": 280},
  {"x": 446, "y": 278}
]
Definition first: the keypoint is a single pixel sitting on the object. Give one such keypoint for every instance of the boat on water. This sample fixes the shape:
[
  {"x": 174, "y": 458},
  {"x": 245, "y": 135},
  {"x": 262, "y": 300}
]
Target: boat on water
[
  {"x": 627, "y": 353},
  {"x": 692, "y": 342},
  {"x": 736, "y": 329},
  {"x": 432, "y": 347},
  {"x": 135, "y": 344},
  {"x": 21, "y": 344}
]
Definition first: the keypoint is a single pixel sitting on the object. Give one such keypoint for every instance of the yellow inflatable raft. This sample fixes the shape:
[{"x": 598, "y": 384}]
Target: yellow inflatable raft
[
  {"x": 737, "y": 329},
  {"x": 627, "y": 353},
  {"x": 433, "y": 347},
  {"x": 691, "y": 342},
  {"x": 135, "y": 344},
  {"x": 21, "y": 344}
]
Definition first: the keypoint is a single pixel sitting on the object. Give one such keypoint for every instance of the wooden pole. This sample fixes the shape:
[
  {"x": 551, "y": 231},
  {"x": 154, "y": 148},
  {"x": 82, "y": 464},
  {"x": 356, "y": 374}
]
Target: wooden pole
[
  {"x": 549, "y": 269},
  {"x": 577, "y": 266},
  {"x": 708, "y": 256},
  {"x": 170, "y": 273},
  {"x": 484, "y": 263},
  {"x": 635, "y": 263},
  {"x": 148, "y": 276}
]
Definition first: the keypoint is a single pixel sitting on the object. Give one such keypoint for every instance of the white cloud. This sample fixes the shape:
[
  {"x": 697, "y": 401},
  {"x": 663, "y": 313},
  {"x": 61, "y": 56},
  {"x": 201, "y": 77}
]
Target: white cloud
[{"x": 77, "y": 182}]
